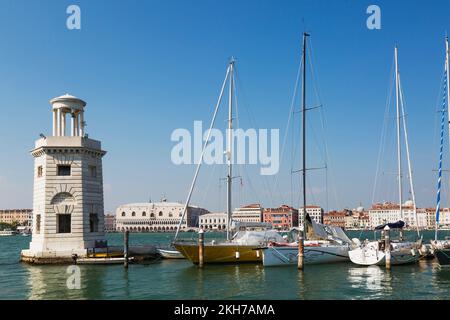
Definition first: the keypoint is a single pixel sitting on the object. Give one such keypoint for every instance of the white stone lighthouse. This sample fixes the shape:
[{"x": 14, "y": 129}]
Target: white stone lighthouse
[{"x": 68, "y": 214}]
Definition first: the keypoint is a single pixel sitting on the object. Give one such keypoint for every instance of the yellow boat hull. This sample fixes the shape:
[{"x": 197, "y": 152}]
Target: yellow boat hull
[
  {"x": 222, "y": 253},
  {"x": 105, "y": 255}
]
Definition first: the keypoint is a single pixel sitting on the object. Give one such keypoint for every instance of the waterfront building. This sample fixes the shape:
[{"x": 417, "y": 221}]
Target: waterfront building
[
  {"x": 22, "y": 217},
  {"x": 68, "y": 213},
  {"x": 213, "y": 221},
  {"x": 356, "y": 218},
  {"x": 388, "y": 212},
  {"x": 281, "y": 218},
  {"x": 336, "y": 218},
  {"x": 248, "y": 213},
  {"x": 431, "y": 218},
  {"x": 315, "y": 212},
  {"x": 361, "y": 220},
  {"x": 156, "y": 216},
  {"x": 444, "y": 217},
  {"x": 350, "y": 221},
  {"x": 110, "y": 222}
]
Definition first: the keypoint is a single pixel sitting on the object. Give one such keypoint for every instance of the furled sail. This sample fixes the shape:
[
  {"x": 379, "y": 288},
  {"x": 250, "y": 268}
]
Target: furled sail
[{"x": 395, "y": 225}]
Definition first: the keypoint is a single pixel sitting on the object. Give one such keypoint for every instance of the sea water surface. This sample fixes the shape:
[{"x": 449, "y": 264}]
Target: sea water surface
[{"x": 180, "y": 279}]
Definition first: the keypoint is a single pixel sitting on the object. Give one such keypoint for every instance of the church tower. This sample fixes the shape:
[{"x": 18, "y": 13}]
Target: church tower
[{"x": 68, "y": 214}]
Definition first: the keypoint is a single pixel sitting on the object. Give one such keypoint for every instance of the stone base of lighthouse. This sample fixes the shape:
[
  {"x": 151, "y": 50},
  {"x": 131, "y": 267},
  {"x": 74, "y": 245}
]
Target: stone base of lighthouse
[{"x": 51, "y": 257}]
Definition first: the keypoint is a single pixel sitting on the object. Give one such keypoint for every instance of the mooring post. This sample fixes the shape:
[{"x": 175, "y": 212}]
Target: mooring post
[
  {"x": 387, "y": 247},
  {"x": 125, "y": 248},
  {"x": 301, "y": 251},
  {"x": 201, "y": 248}
]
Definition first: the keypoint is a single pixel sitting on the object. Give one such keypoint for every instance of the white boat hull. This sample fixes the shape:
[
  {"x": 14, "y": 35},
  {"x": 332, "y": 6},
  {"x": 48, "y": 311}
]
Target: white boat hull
[
  {"x": 369, "y": 255},
  {"x": 281, "y": 256},
  {"x": 171, "y": 254}
]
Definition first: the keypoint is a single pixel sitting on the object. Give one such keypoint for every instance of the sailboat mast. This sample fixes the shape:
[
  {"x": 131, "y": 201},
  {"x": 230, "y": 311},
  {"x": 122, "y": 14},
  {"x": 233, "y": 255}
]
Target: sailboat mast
[
  {"x": 399, "y": 150},
  {"x": 305, "y": 35},
  {"x": 408, "y": 157},
  {"x": 447, "y": 72},
  {"x": 230, "y": 146}
]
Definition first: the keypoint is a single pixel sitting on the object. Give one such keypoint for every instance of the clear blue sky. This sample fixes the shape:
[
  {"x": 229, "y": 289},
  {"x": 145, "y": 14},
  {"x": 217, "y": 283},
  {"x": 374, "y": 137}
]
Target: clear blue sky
[{"x": 148, "y": 67}]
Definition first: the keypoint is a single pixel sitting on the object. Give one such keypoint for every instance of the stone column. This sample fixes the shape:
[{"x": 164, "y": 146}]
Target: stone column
[
  {"x": 63, "y": 123},
  {"x": 58, "y": 125},
  {"x": 81, "y": 123},
  {"x": 55, "y": 123},
  {"x": 72, "y": 123},
  {"x": 76, "y": 124}
]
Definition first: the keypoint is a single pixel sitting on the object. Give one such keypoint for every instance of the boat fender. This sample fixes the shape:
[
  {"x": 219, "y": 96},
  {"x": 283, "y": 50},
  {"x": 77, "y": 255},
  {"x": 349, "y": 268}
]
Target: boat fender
[
  {"x": 257, "y": 253},
  {"x": 356, "y": 242},
  {"x": 238, "y": 255},
  {"x": 413, "y": 252}
]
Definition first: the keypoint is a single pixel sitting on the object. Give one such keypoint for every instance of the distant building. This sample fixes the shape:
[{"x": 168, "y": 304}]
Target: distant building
[
  {"x": 248, "y": 213},
  {"x": 388, "y": 212},
  {"x": 156, "y": 216},
  {"x": 21, "y": 216},
  {"x": 213, "y": 221},
  {"x": 110, "y": 222},
  {"x": 315, "y": 212},
  {"x": 356, "y": 218},
  {"x": 431, "y": 217},
  {"x": 361, "y": 220},
  {"x": 444, "y": 217},
  {"x": 349, "y": 221},
  {"x": 335, "y": 218},
  {"x": 282, "y": 218}
]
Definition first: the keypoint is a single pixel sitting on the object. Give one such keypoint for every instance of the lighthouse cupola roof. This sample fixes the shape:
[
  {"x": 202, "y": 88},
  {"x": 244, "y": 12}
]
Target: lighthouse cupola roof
[
  {"x": 68, "y": 105},
  {"x": 68, "y": 101}
]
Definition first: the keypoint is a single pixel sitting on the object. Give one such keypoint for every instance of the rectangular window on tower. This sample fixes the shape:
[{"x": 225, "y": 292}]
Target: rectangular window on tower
[
  {"x": 38, "y": 223},
  {"x": 64, "y": 223},
  {"x": 93, "y": 171},
  {"x": 63, "y": 170},
  {"x": 40, "y": 171},
  {"x": 93, "y": 222}
]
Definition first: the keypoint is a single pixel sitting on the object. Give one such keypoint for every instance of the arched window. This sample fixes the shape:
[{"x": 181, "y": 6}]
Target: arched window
[
  {"x": 123, "y": 213},
  {"x": 144, "y": 213},
  {"x": 63, "y": 204},
  {"x": 170, "y": 215},
  {"x": 133, "y": 214},
  {"x": 160, "y": 213}
]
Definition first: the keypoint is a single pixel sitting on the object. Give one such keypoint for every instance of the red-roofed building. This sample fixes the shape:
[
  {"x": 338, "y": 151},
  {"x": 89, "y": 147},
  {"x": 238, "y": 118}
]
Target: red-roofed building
[
  {"x": 282, "y": 218},
  {"x": 335, "y": 218}
]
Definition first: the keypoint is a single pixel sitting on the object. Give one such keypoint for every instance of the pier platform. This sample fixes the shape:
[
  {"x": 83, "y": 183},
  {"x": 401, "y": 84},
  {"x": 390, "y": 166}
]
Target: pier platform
[{"x": 139, "y": 253}]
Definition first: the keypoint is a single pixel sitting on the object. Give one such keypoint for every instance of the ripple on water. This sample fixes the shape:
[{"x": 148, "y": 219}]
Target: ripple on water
[{"x": 167, "y": 279}]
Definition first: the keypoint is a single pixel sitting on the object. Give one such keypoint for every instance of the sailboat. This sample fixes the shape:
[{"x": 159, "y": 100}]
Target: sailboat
[
  {"x": 441, "y": 248},
  {"x": 402, "y": 252},
  {"x": 323, "y": 244},
  {"x": 243, "y": 242}
]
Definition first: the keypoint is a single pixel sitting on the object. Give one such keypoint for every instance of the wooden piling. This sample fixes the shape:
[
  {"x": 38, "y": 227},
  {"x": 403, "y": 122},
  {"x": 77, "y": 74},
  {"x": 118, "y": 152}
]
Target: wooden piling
[
  {"x": 387, "y": 247},
  {"x": 301, "y": 251},
  {"x": 125, "y": 248},
  {"x": 201, "y": 248}
]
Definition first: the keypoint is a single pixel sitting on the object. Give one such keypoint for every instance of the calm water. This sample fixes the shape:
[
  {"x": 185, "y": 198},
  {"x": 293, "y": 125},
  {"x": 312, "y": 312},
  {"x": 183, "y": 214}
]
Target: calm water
[{"x": 165, "y": 279}]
